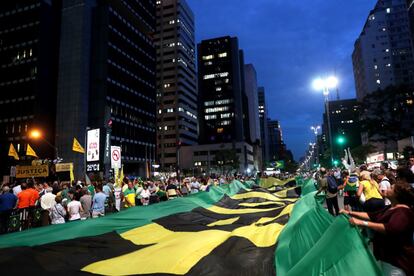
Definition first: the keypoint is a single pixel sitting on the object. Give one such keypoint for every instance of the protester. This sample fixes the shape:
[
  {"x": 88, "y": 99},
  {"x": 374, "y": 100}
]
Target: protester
[
  {"x": 129, "y": 195},
  {"x": 350, "y": 188},
  {"x": 7, "y": 204},
  {"x": 86, "y": 202},
  {"x": 406, "y": 175},
  {"x": 393, "y": 227},
  {"x": 74, "y": 207},
  {"x": 98, "y": 202},
  {"x": 145, "y": 195},
  {"x": 384, "y": 185},
  {"x": 373, "y": 199},
  {"x": 57, "y": 213},
  {"x": 328, "y": 185},
  {"x": 172, "y": 190},
  {"x": 195, "y": 186},
  {"x": 23, "y": 204},
  {"x": 47, "y": 201}
]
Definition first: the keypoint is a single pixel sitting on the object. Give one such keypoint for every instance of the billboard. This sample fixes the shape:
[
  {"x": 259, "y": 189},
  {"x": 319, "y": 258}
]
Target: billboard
[{"x": 92, "y": 146}]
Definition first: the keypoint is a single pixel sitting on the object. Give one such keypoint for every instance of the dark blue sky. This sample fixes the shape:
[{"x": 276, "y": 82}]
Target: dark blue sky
[{"x": 290, "y": 43}]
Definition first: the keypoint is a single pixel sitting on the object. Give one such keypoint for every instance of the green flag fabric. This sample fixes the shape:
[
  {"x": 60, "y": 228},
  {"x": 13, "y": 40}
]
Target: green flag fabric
[
  {"x": 234, "y": 229},
  {"x": 315, "y": 243},
  {"x": 230, "y": 230}
]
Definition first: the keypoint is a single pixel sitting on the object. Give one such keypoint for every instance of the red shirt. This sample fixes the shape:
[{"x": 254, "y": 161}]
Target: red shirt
[
  {"x": 24, "y": 199},
  {"x": 396, "y": 246},
  {"x": 35, "y": 196}
]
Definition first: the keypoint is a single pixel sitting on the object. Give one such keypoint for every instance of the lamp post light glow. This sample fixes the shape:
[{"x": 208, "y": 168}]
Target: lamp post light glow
[
  {"x": 35, "y": 134},
  {"x": 324, "y": 85}
]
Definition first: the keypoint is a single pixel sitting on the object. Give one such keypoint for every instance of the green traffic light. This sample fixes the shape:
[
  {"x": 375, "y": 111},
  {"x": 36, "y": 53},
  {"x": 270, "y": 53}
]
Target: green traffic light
[
  {"x": 335, "y": 162},
  {"x": 341, "y": 140}
]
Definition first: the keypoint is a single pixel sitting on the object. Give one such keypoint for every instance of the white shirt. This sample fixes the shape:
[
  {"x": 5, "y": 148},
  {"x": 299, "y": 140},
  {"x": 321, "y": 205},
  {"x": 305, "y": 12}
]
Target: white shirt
[
  {"x": 17, "y": 190},
  {"x": 73, "y": 209},
  {"x": 385, "y": 185},
  {"x": 145, "y": 193},
  {"x": 47, "y": 201}
]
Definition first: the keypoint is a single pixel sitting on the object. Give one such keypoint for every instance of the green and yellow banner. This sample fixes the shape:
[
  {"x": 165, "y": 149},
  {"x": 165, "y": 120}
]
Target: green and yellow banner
[{"x": 234, "y": 229}]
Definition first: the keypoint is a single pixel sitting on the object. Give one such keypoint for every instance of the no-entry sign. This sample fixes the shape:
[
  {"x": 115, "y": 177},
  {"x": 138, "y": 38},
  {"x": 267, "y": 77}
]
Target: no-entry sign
[{"x": 115, "y": 157}]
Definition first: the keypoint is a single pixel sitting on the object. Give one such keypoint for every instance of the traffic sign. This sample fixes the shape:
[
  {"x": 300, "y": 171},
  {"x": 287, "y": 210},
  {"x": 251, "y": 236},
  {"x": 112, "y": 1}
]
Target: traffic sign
[{"x": 115, "y": 157}]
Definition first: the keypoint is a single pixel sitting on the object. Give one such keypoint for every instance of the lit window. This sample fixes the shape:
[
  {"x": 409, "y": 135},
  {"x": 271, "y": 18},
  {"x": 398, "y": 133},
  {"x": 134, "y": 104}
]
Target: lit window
[
  {"x": 209, "y": 103},
  {"x": 388, "y": 65},
  {"x": 388, "y": 10},
  {"x": 387, "y": 50},
  {"x": 159, "y": 111},
  {"x": 166, "y": 85},
  {"x": 171, "y": 22},
  {"x": 379, "y": 81},
  {"x": 208, "y": 57},
  {"x": 218, "y": 88},
  {"x": 170, "y": 110},
  {"x": 220, "y": 130},
  {"x": 375, "y": 67},
  {"x": 384, "y": 29},
  {"x": 210, "y": 117},
  {"x": 158, "y": 2},
  {"x": 222, "y": 55},
  {"x": 225, "y": 115}
]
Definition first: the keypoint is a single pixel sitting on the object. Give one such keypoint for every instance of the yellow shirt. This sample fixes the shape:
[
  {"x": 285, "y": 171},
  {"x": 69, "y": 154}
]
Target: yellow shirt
[{"x": 370, "y": 191}]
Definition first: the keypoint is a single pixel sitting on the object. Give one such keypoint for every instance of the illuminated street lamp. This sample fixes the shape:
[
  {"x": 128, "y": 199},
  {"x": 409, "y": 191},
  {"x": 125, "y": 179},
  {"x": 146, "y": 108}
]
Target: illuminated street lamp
[
  {"x": 324, "y": 85},
  {"x": 36, "y": 134}
]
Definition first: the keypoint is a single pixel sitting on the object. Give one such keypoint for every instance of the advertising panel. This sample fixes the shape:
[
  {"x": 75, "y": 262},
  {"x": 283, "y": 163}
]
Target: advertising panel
[{"x": 92, "y": 147}]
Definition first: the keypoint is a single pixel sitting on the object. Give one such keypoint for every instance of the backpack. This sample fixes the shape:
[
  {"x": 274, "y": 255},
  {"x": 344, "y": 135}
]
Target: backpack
[{"x": 332, "y": 185}]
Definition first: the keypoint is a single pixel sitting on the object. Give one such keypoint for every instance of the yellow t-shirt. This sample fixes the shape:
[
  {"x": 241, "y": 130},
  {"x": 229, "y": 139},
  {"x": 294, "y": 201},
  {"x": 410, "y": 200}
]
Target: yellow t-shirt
[{"x": 370, "y": 191}]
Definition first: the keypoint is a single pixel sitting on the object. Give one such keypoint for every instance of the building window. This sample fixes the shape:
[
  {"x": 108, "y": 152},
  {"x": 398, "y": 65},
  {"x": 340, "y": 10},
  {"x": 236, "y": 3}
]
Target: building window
[
  {"x": 220, "y": 130},
  {"x": 208, "y": 57},
  {"x": 222, "y": 55}
]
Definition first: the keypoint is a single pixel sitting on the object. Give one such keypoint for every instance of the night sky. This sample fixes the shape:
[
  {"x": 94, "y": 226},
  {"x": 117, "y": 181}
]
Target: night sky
[{"x": 290, "y": 43}]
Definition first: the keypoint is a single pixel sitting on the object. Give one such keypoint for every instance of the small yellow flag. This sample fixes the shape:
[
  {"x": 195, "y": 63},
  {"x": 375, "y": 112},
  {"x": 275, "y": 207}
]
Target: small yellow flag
[
  {"x": 13, "y": 152},
  {"x": 30, "y": 151},
  {"x": 77, "y": 146}
]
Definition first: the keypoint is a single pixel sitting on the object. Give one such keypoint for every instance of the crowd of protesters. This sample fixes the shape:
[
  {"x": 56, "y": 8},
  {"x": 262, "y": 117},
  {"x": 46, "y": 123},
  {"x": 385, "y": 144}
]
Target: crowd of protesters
[
  {"x": 381, "y": 201},
  {"x": 32, "y": 203}
]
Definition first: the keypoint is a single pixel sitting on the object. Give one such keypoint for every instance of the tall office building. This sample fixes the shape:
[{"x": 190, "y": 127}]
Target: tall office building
[
  {"x": 28, "y": 64},
  {"x": 176, "y": 81},
  {"x": 251, "y": 90},
  {"x": 383, "y": 54},
  {"x": 277, "y": 148},
  {"x": 107, "y": 50},
  {"x": 345, "y": 123},
  {"x": 221, "y": 91},
  {"x": 263, "y": 124}
]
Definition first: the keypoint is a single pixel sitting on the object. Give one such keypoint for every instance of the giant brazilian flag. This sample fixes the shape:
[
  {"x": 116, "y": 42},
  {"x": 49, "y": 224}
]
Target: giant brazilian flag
[{"x": 235, "y": 229}]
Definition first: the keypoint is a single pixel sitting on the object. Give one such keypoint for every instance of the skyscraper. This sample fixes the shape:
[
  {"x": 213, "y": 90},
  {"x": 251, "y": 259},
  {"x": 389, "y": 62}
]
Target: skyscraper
[
  {"x": 29, "y": 41},
  {"x": 176, "y": 81},
  {"x": 277, "y": 148},
  {"x": 221, "y": 91},
  {"x": 107, "y": 79},
  {"x": 263, "y": 124},
  {"x": 345, "y": 125},
  {"x": 383, "y": 54}
]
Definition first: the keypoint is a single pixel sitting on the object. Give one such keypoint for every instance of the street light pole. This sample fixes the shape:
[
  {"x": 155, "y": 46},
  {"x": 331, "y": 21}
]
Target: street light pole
[
  {"x": 325, "y": 85},
  {"x": 315, "y": 131}
]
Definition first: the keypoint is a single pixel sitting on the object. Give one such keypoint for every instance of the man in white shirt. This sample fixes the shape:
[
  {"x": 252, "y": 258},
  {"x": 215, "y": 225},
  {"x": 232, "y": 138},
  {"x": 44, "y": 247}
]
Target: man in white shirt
[
  {"x": 411, "y": 164},
  {"x": 195, "y": 186},
  {"x": 384, "y": 186}
]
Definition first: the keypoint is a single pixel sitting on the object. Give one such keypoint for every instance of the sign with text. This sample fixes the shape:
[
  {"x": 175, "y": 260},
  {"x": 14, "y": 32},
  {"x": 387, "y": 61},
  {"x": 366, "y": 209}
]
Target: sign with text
[
  {"x": 93, "y": 167},
  {"x": 64, "y": 167},
  {"x": 115, "y": 157},
  {"x": 92, "y": 147},
  {"x": 32, "y": 171}
]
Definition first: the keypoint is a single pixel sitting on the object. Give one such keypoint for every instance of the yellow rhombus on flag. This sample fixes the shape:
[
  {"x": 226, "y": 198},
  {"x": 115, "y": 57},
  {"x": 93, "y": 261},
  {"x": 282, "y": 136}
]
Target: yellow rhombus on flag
[
  {"x": 13, "y": 152},
  {"x": 30, "y": 151},
  {"x": 77, "y": 146}
]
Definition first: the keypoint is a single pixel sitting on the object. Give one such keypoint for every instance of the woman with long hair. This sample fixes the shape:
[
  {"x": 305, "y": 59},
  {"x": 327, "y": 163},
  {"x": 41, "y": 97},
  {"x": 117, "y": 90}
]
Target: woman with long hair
[{"x": 373, "y": 199}]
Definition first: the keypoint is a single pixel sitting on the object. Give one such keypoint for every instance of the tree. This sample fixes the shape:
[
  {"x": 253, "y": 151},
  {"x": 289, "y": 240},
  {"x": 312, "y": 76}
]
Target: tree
[
  {"x": 387, "y": 115},
  {"x": 361, "y": 153}
]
